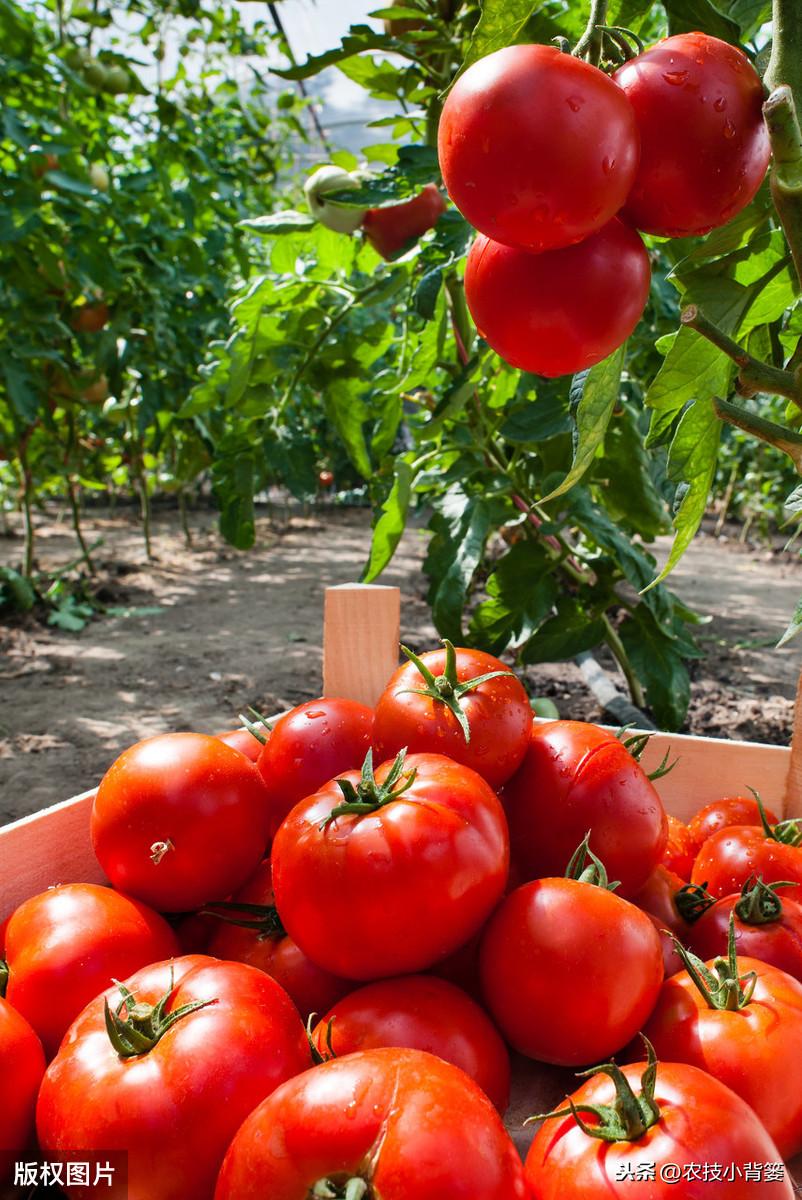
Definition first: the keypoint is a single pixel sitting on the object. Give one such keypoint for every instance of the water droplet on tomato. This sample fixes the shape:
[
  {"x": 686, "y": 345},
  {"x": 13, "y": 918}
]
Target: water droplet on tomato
[
  {"x": 729, "y": 129},
  {"x": 314, "y": 714},
  {"x": 676, "y": 78},
  {"x": 575, "y": 103},
  {"x": 607, "y": 164},
  {"x": 719, "y": 104}
]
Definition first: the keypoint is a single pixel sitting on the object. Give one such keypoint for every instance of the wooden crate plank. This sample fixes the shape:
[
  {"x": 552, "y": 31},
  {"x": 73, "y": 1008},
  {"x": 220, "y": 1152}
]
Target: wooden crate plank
[{"x": 361, "y": 631}]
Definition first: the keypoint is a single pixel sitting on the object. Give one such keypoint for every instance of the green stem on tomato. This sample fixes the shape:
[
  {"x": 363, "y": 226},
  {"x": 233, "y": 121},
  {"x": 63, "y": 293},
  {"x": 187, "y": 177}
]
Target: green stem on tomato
[
  {"x": 753, "y": 376},
  {"x": 589, "y": 45},
  {"x": 785, "y": 63},
  {"x": 622, "y": 658},
  {"x": 781, "y": 112},
  {"x": 767, "y": 431}
]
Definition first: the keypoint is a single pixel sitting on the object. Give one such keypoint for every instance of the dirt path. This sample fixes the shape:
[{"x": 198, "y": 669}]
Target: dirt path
[{"x": 236, "y": 629}]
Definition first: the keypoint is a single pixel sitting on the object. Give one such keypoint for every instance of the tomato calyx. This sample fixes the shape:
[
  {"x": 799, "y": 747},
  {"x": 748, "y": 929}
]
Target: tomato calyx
[
  {"x": 692, "y": 901},
  {"x": 629, "y": 1116},
  {"x": 726, "y": 988},
  {"x": 637, "y": 743},
  {"x": 144, "y": 1024},
  {"x": 369, "y": 795},
  {"x": 759, "y": 903},
  {"x": 587, "y": 867},
  {"x": 263, "y": 919},
  {"x": 3, "y": 977},
  {"x": 253, "y": 722},
  {"x": 355, "y": 1188},
  {"x": 447, "y": 688},
  {"x": 320, "y": 1056},
  {"x": 788, "y": 832}
]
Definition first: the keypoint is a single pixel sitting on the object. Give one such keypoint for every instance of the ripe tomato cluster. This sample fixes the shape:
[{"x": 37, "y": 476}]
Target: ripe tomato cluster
[
  {"x": 425, "y": 885},
  {"x": 557, "y": 165}
]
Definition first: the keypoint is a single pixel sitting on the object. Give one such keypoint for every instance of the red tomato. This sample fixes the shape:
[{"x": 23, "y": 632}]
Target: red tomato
[
  {"x": 680, "y": 850},
  {"x": 263, "y": 943},
  {"x": 570, "y": 971},
  {"x": 325, "y": 478},
  {"x": 244, "y": 741},
  {"x": 179, "y": 820},
  {"x": 173, "y": 1105},
  {"x": 766, "y": 927},
  {"x": 738, "y": 852},
  {"x": 748, "y": 1048},
  {"x": 23, "y": 1063},
  {"x": 462, "y": 967},
  {"x": 399, "y": 883},
  {"x": 67, "y": 944},
  {"x": 699, "y": 1121},
  {"x": 537, "y": 149},
  {"x": 495, "y": 713},
  {"x": 558, "y": 312},
  {"x": 418, "y": 1012},
  {"x": 403, "y": 1121},
  {"x": 308, "y": 747},
  {"x": 732, "y": 810},
  {"x": 393, "y": 229},
  {"x": 698, "y": 103},
  {"x": 90, "y": 318},
  {"x": 657, "y": 897},
  {"x": 576, "y": 777}
]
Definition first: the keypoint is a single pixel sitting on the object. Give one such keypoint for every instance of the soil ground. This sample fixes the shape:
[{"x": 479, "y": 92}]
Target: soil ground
[{"x": 232, "y": 629}]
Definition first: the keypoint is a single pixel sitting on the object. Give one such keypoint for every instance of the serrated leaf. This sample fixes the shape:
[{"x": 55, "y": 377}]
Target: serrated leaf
[
  {"x": 426, "y": 293},
  {"x": 794, "y": 626},
  {"x": 658, "y": 661},
  {"x": 521, "y": 593},
  {"x": 289, "y": 221},
  {"x": 390, "y": 525},
  {"x": 501, "y": 23},
  {"x": 358, "y": 38},
  {"x": 566, "y": 634},
  {"x": 594, "y": 394},
  {"x": 693, "y": 369},
  {"x": 686, "y": 16}
]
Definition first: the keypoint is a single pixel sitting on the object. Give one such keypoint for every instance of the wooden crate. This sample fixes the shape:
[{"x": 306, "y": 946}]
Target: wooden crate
[{"x": 361, "y": 634}]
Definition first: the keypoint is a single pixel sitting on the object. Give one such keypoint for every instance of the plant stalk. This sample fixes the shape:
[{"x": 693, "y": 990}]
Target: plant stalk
[
  {"x": 75, "y": 509},
  {"x": 753, "y": 376},
  {"x": 781, "y": 113},
  {"x": 622, "y": 658},
  {"x": 589, "y": 45}
]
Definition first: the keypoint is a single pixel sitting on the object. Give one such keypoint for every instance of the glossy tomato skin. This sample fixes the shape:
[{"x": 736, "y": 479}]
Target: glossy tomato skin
[
  {"x": 719, "y": 814},
  {"x": 309, "y": 746},
  {"x": 418, "y": 1012},
  {"x": 680, "y": 850},
  {"x": 576, "y": 777},
  {"x": 23, "y": 1064},
  {"x": 778, "y": 943},
  {"x": 311, "y": 988},
  {"x": 242, "y": 740},
  {"x": 497, "y": 712},
  {"x": 407, "y": 1122},
  {"x": 393, "y": 229},
  {"x": 748, "y": 1050},
  {"x": 702, "y": 1121},
  {"x": 570, "y": 971},
  {"x": 70, "y": 943},
  {"x": 396, "y": 890},
  {"x": 736, "y": 852},
  {"x": 657, "y": 897},
  {"x": 562, "y": 311},
  {"x": 704, "y": 146},
  {"x": 194, "y": 798},
  {"x": 176, "y": 1108},
  {"x": 537, "y": 149}
]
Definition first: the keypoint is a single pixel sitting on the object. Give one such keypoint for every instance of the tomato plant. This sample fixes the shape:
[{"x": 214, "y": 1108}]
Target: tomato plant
[
  {"x": 23, "y": 1066},
  {"x": 419, "y": 1012},
  {"x": 166, "y": 1067},
  {"x": 180, "y": 819},
  {"x": 385, "y": 874},
  {"x": 71, "y": 942},
  {"x": 400, "y": 1121}
]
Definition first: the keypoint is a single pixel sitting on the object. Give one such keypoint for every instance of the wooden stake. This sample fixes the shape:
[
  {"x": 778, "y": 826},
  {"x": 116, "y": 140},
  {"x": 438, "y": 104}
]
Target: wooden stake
[
  {"x": 361, "y": 631},
  {"x": 793, "y": 788}
]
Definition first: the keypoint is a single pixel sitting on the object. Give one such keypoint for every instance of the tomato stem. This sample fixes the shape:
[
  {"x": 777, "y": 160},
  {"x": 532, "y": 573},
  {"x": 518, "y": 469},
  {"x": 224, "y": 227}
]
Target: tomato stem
[
  {"x": 788, "y": 832},
  {"x": 785, "y": 63},
  {"x": 370, "y": 795},
  {"x": 3, "y": 977},
  {"x": 767, "y": 431},
  {"x": 586, "y": 867},
  {"x": 263, "y": 919},
  {"x": 727, "y": 988},
  {"x": 589, "y": 45},
  {"x": 144, "y": 1024},
  {"x": 447, "y": 688},
  {"x": 355, "y": 1188},
  {"x": 759, "y": 903},
  {"x": 753, "y": 375},
  {"x": 692, "y": 901},
  {"x": 781, "y": 113}
]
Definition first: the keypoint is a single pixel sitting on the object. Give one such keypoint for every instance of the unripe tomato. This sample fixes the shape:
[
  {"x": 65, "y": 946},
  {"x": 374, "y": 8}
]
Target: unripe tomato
[
  {"x": 562, "y": 311},
  {"x": 704, "y": 146},
  {"x": 392, "y": 230},
  {"x": 537, "y": 149},
  {"x": 99, "y": 177},
  {"x": 332, "y": 179}
]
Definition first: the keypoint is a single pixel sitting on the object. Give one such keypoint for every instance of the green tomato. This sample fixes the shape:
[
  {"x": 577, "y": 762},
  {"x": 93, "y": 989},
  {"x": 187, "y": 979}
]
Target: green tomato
[{"x": 324, "y": 181}]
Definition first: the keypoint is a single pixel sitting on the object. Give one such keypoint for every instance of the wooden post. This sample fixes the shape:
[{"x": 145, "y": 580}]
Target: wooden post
[
  {"x": 793, "y": 788},
  {"x": 361, "y": 630}
]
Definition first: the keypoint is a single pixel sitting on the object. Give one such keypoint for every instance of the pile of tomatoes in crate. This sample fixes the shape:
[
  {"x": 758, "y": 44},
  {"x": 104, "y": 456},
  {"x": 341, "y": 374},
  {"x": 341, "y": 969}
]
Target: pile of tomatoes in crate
[{"x": 323, "y": 939}]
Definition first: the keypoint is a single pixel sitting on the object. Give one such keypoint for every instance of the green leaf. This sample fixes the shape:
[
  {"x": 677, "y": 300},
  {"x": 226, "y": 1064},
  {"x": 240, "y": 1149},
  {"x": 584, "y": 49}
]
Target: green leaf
[
  {"x": 461, "y": 525},
  {"x": 288, "y": 221},
  {"x": 594, "y": 394},
  {"x": 544, "y": 415},
  {"x": 625, "y": 473},
  {"x": 415, "y": 167},
  {"x": 521, "y": 593},
  {"x": 693, "y": 369},
  {"x": 793, "y": 628},
  {"x": 22, "y": 392},
  {"x": 566, "y": 634},
  {"x": 358, "y": 38},
  {"x": 502, "y": 22},
  {"x": 15, "y": 590},
  {"x": 686, "y": 16},
  {"x": 426, "y": 293},
  {"x": 658, "y": 661},
  {"x": 692, "y": 463},
  {"x": 390, "y": 525}
]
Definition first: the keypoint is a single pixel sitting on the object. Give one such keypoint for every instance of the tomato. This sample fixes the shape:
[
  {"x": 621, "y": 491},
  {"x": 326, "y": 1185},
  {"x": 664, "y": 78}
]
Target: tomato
[
  {"x": 537, "y": 149},
  {"x": 66, "y": 945},
  {"x": 244, "y": 741},
  {"x": 698, "y": 103},
  {"x": 405, "y": 1122},
  {"x": 766, "y": 927},
  {"x": 747, "y": 1047},
  {"x": 731, "y": 810},
  {"x": 738, "y": 852},
  {"x": 420, "y": 1013},
  {"x": 387, "y": 875},
  {"x": 680, "y": 849},
  {"x": 176, "y": 1099},
  {"x": 577, "y": 777},
  {"x": 261, "y": 941},
  {"x": 90, "y": 318},
  {"x": 325, "y": 478},
  {"x": 309, "y": 746},
  {"x": 178, "y": 820},
  {"x": 391, "y": 230},
  {"x": 697, "y": 1121},
  {"x": 462, "y": 703},
  {"x": 23, "y": 1063},
  {"x": 561, "y": 311},
  {"x": 570, "y": 971},
  {"x": 657, "y": 897}
]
